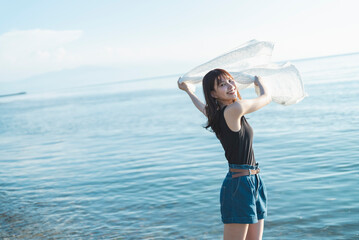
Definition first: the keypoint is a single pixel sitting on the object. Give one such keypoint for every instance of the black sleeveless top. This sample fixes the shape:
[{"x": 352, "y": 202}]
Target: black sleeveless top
[{"x": 237, "y": 145}]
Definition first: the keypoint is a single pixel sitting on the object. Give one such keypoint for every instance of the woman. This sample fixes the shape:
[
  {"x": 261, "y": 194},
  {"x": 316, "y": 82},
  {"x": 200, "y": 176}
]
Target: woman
[{"x": 243, "y": 194}]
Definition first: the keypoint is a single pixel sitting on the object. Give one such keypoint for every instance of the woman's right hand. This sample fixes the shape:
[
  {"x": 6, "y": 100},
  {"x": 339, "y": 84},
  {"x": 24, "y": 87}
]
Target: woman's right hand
[{"x": 183, "y": 86}]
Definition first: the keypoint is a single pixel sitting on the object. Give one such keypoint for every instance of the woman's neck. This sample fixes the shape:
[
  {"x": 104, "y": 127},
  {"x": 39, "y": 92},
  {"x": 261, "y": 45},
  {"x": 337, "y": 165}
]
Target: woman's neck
[{"x": 223, "y": 104}]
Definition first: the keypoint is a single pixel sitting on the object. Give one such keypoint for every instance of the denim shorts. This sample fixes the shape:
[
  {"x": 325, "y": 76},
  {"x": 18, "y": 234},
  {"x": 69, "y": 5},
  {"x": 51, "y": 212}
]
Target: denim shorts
[{"x": 243, "y": 199}]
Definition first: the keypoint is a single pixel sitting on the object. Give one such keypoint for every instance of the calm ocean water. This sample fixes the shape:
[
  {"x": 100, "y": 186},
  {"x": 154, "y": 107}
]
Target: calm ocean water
[{"x": 131, "y": 160}]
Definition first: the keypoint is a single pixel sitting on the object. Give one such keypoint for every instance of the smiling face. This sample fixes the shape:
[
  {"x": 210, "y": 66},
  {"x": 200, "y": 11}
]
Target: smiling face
[{"x": 225, "y": 90}]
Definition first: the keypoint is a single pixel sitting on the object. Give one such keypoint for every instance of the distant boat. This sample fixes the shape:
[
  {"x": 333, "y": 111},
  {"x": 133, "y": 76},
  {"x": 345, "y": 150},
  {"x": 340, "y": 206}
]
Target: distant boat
[{"x": 12, "y": 94}]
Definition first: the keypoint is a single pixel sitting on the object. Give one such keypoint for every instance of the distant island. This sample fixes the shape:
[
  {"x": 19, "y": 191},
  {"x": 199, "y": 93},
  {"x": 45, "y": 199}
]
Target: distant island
[{"x": 12, "y": 94}]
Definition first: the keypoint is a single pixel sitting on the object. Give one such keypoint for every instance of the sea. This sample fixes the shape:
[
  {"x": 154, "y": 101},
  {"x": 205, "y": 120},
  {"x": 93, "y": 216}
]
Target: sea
[{"x": 132, "y": 160}]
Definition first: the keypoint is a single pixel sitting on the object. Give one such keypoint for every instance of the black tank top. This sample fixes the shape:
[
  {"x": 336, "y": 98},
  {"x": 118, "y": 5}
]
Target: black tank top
[{"x": 237, "y": 145}]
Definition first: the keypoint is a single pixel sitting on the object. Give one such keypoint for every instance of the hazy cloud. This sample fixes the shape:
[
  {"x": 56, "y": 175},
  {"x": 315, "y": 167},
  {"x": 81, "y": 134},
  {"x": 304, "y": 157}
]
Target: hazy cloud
[{"x": 26, "y": 53}]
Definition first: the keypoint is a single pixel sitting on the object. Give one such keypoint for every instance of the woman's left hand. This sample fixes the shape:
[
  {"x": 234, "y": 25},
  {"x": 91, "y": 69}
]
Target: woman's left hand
[{"x": 256, "y": 80}]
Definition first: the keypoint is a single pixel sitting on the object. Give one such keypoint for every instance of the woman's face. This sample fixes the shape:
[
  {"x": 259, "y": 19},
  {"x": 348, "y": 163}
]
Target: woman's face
[{"x": 225, "y": 90}]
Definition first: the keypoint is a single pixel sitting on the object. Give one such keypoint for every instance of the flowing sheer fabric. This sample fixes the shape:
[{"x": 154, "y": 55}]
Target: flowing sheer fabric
[{"x": 253, "y": 59}]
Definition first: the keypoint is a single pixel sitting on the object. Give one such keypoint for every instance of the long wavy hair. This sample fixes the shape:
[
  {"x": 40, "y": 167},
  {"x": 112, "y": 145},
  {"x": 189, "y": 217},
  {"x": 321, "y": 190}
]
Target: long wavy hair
[{"x": 212, "y": 106}]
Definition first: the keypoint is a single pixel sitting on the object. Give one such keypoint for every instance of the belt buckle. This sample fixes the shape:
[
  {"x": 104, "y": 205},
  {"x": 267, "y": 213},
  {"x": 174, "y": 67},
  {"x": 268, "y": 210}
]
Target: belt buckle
[{"x": 249, "y": 170}]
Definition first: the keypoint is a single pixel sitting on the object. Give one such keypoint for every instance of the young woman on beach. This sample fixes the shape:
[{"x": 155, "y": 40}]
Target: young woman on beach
[{"x": 243, "y": 194}]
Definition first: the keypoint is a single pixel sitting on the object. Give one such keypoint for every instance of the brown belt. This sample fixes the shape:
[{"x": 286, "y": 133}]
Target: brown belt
[{"x": 243, "y": 172}]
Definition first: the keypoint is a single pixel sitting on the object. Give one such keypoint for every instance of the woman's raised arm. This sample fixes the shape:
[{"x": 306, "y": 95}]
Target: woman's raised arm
[
  {"x": 245, "y": 106},
  {"x": 199, "y": 105}
]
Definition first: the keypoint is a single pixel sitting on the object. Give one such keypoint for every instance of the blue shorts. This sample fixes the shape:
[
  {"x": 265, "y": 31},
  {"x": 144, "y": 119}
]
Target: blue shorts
[{"x": 243, "y": 199}]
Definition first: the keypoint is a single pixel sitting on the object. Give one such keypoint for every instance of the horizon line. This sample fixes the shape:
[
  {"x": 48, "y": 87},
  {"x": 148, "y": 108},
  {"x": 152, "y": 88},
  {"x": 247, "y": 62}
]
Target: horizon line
[{"x": 180, "y": 74}]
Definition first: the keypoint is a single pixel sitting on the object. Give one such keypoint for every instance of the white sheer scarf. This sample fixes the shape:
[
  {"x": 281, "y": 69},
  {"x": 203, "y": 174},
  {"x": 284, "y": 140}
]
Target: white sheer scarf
[{"x": 253, "y": 59}]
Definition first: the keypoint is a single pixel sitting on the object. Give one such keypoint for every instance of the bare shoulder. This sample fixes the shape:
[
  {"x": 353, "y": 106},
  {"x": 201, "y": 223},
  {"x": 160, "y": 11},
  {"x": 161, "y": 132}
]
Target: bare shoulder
[
  {"x": 232, "y": 116},
  {"x": 234, "y": 110}
]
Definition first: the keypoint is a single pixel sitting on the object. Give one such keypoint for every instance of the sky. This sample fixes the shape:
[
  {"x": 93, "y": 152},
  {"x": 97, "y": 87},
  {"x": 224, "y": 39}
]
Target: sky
[{"x": 155, "y": 38}]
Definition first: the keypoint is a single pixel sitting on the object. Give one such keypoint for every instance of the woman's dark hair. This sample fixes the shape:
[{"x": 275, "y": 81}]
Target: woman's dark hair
[{"x": 212, "y": 107}]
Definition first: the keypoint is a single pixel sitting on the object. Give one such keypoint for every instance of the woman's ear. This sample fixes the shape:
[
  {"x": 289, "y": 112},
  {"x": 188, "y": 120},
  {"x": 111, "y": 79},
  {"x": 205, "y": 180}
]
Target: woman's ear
[{"x": 213, "y": 94}]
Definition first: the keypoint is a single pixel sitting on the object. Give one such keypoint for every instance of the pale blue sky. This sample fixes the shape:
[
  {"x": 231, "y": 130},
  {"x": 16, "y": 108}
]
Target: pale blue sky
[{"x": 164, "y": 36}]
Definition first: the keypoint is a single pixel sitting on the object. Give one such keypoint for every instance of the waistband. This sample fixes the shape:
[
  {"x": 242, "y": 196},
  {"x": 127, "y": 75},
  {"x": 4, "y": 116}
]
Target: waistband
[{"x": 243, "y": 166}]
